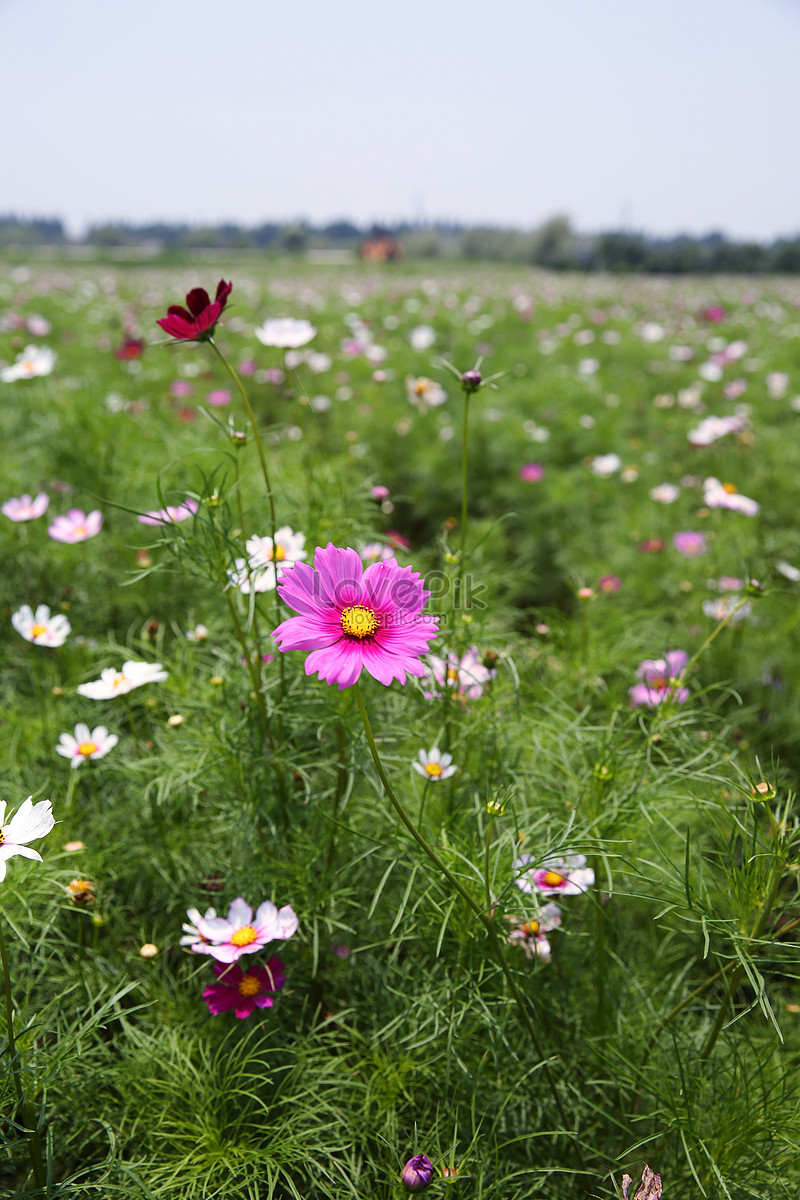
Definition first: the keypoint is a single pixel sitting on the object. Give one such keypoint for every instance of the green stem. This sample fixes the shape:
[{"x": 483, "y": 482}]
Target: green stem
[
  {"x": 459, "y": 595},
  {"x": 270, "y": 498},
  {"x": 256, "y": 435},
  {"x": 715, "y": 632},
  {"x": 484, "y": 917},
  {"x": 32, "y": 1131}
]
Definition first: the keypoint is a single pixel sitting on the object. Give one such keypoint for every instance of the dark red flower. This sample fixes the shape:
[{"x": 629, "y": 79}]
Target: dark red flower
[
  {"x": 196, "y": 322},
  {"x": 130, "y": 348}
]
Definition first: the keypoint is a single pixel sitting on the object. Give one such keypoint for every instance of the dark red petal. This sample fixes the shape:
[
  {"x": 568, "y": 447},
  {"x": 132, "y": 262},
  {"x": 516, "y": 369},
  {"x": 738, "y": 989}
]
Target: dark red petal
[
  {"x": 176, "y": 327},
  {"x": 177, "y": 310},
  {"x": 223, "y": 291},
  {"x": 208, "y": 318},
  {"x": 196, "y": 300}
]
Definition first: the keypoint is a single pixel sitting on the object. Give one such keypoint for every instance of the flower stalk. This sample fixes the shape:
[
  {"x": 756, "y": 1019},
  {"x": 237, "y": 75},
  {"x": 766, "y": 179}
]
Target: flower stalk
[
  {"x": 483, "y": 916},
  {"x": 26, "y": 1107}
]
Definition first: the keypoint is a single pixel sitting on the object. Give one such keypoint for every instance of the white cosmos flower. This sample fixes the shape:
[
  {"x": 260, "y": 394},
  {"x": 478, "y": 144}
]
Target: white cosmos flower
[
  {"x": 33, "y": 361},
  {"x": 116, "y": 683},
  {"x": 434, "y": 765},
  {"x": 665, "y": 493},
  {"x": 265, "y": 562},
  {"x": 422, "y": 337},
  {"x": 85, "y": 744},
  {"x": 789, "y": 571},
  {"x": 285, "y": 332},
  {"x": 39, "y": 627},
  {"x": 725, "y": 495},
  {"x": 605, "y": 465},
  {"x": 30, "y": 821}
]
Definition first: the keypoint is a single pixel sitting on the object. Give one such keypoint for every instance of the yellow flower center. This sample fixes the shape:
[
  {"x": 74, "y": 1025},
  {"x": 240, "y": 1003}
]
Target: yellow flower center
[
  {"x": 38, "y": 630},
  {"x": 730, "y": 488},
  {"x": 359, "y": 621},
  {"x": 552, "y": 879},
  {"x": 421, "y": 387},
  {"x": 86, "y": 749},
  {"x": 433, "y": 769},
  {"x": 244, "y": 936},
  {"x": 118, "y": 679},
  {"x": 82, "y": 530},
  {"x": 531, "y": 927},
  {"x": 2, "y": 837},
  {"x": 249, "y": 986},
  {"x": 279, "y": 554}
]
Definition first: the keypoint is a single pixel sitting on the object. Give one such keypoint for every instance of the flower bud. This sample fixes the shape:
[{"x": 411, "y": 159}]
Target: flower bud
[
  {"x": 471, "y": 380},
  {"x": 417, "y": 1173}
]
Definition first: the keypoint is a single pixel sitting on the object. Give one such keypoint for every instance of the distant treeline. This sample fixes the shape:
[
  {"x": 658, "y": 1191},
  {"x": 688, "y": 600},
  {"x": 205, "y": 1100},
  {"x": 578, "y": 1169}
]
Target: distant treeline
[{"x": 555, "y": 244}]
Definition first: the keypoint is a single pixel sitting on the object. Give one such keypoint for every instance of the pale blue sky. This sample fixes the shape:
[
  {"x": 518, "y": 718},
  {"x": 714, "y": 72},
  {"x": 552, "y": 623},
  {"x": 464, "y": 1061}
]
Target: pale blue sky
[{"x": 672, "y": 116}]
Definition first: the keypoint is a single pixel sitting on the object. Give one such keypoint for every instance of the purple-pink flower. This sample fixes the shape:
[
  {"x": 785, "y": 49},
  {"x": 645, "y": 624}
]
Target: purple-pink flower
[
  {"x": 242, "y": 932},
  {"x": 170, "y": 514},
  {"x": 25, "y": 507},
  {"x": 661, "y": 680},
  {"x": 354, "y": 619},
  {"x": 566, "y": 876},
  {"x": 76, "y": 525},
  {"x": 690, "y": 542},
  {"x": 242, "y": 991},
  {"x": 531, "y": 472}
]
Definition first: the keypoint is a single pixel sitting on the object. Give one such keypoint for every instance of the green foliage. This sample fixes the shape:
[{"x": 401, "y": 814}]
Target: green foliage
[{"x": 664, "y": 1025}]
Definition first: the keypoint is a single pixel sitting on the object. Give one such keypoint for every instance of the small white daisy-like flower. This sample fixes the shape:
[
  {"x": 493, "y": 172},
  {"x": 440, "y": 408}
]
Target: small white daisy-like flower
[
  {"x": 285, "y": 332},
  {"x": 434, "y": 765},
  {"x": 265, "y": 562},
  {"x": 85, "y": 744},
  {"x": 604, "y": 465},
  {"x": 665, "y": 493},
  {"x": 33, "y": 361},
  {"x": 424, "y": 392},
  {"x": 30, "y": 821},
  {"x": 116, "y": 683},
  {"x": 39, "y": 627}
]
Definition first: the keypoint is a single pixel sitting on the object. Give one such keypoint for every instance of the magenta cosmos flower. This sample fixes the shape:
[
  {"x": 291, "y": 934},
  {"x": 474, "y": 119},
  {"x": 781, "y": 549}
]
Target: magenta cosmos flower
[
  {"x": 566, "y": 876},
  {"x": 196, "y": 322},
  {"x": 241, "y": 991},
  {"x": 76, "y": 526},
  {"x": 661, "y": 680},
  {"x": 354, "y": 619}
]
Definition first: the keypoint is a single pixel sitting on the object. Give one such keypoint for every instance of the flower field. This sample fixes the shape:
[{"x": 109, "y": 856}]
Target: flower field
[{"x": 400, "y": 733}]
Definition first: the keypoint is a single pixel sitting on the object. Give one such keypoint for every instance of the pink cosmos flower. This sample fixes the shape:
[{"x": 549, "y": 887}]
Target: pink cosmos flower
[
  {"x": 690, "y": 542},
  {"x": 76, "y": 526},
  {"x": 609, "y": 583},
  {"x": 170, "y": 514},
  {"x": 24, "y": 508},
  {"x": 241, "y": 991},
  {"x": 196, "y": 322},
  {"x": 219, "y": 397},
  {"x": 566, "y": 876},
  {"x": 354, "y": 619},
  {"x": 531, "y": 472},
  {"x": 661, "y": 680},
  {"x": 465, "y": 677},
  {"x": 227, "y": 939}
]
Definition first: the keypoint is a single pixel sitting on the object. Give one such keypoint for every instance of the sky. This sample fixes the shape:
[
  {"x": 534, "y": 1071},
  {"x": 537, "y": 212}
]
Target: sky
[{"x": 663, "y": 116}]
